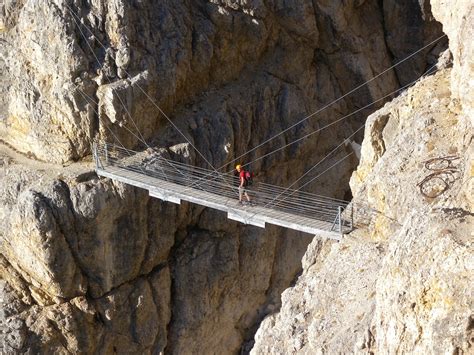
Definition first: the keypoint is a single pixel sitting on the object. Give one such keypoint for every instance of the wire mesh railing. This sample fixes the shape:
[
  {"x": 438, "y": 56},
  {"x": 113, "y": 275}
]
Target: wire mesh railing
[{"x": 337, "y": 213}]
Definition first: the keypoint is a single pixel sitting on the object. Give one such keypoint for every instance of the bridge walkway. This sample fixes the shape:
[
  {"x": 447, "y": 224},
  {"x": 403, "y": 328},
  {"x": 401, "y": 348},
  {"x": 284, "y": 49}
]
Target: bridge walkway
[{"x": 175, "y": 182}]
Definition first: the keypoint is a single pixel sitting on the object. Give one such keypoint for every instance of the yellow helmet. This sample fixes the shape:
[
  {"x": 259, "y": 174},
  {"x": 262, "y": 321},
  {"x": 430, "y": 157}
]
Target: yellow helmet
[{"x": 238, "y": 166}]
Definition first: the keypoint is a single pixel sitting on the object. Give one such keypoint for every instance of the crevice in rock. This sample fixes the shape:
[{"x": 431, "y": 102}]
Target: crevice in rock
[
  {"x": 157, "y": 268},
  {"x": 6, "y": 265},
  {"x": 57, "y": 218},
  {"x": 261, "y": 312},
  {"x": 385, "y": 34},
  {"x": 62, "y": 339},
  {"x": 286, "y": 81},
  {"x": 149, "y": 235},
  {"x": 169, "y": 343},
  {"x": 155, "y": 303}
]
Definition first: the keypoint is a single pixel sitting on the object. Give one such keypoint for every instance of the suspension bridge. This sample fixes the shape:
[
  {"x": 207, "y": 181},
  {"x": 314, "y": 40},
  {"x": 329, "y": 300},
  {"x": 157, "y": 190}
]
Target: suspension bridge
[{"x": 174, "y": 182}]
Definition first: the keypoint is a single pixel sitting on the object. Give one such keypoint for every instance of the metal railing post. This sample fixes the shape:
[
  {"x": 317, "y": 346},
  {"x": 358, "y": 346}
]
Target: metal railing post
[
  {"x": 334, "y": 223},
  {"x": 98, "y": 161}
]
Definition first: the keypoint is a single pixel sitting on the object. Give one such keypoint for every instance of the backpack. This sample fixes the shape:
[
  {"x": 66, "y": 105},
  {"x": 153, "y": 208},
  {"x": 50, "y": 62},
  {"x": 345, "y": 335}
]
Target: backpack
[{"x": 248, "y": 176}]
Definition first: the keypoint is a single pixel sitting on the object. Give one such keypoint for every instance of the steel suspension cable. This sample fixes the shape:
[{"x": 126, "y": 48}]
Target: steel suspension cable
[
  {"x": 291, "y": 206},
  {"x": 275, "y": 201},
  {"x": 280, "y": 132},
  {"x": 75, "y": 16},
  {"x": 336, "y": 121},
  {"x": 429, "y": 71},
  {"x": 304, "y": 119},
  {"x": 149, "y": 98},
  {"x": 97, "y": 113},
  {"x": 334, "y": 101},
  {"x": 297, "y": 123},
  {"x": 141, "y": 89},
  {"x": 325, "y": 157},
  {"x": 108, "y": 79}
]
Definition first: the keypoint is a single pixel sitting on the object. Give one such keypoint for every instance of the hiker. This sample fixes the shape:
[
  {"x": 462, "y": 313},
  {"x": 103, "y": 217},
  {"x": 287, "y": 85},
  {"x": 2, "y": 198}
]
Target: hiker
[{"x": 244, "y": 176}]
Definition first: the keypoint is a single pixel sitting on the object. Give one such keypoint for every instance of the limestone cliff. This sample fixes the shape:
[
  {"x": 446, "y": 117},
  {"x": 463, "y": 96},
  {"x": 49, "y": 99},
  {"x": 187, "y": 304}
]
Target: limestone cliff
[
  {"x": 93, "y": 266},
  {"x": 404, "y": 283},
  {"x": 457, "y": 23}
]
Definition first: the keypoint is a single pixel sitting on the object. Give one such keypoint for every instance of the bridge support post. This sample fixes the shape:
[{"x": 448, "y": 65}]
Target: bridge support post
[{"x": 95, "y": 155}]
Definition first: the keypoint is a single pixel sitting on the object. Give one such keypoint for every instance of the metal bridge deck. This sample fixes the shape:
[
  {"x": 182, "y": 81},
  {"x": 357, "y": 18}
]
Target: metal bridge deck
[
  {"x": 164, "y": 187},
  {"x": 253, "y": 215}
]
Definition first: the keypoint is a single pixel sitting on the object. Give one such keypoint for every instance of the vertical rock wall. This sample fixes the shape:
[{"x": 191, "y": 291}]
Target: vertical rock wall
[
  {"x": 94, "y": 75},
  {"x": 460, "y": 29}
]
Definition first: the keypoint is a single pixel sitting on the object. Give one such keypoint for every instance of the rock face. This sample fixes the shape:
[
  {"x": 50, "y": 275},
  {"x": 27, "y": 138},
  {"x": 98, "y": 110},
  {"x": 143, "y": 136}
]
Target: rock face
[
  {"x": 330, "y": 307},
  {"x": 82, "y": 275},
  {"x": 89, "y": 265},
  {"x": 276, "y": 59},
  {"x": 403, "y": 283},
  {"x": 414, "y": 261},
  {"x": 458, "y": 26}
]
